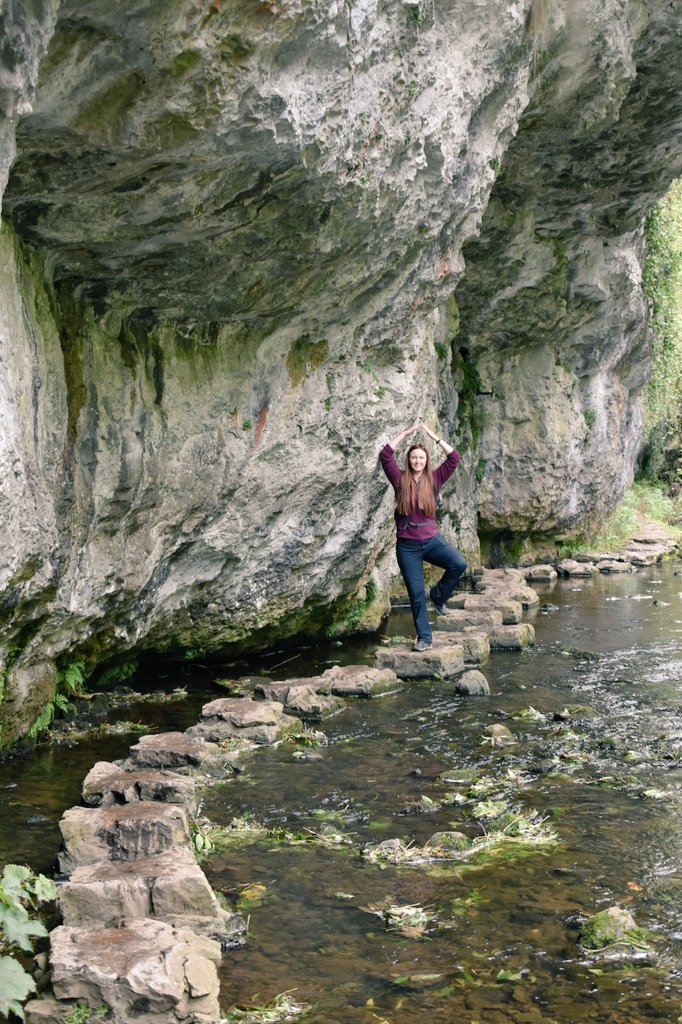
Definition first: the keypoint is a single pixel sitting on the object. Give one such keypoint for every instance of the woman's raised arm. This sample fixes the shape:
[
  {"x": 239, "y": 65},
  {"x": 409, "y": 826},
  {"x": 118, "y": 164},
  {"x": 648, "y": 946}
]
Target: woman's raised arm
[
  {"x": 402, "y": 435},
  {"x": 443, "y": 444}
]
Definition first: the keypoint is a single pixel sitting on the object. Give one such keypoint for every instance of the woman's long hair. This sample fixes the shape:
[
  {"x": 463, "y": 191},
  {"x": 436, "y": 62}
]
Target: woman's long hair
[{"x": 409, "y": 493}]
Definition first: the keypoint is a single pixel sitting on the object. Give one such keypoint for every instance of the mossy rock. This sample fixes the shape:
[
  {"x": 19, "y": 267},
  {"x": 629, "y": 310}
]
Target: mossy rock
[
  {"x": 608, "y": 927},
  {"x": 447, "y": 842},
  {"x": 569, "y": 711}
]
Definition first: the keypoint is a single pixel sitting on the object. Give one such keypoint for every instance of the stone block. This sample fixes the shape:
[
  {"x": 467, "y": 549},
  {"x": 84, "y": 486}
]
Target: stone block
[
  {"x": 107, "y": 785},
  {"x": 443, "y": 661},
  {"x": 147, "y": 971},
  {"x": 512, "y": 638},
  {"x": 92, "y": 834}
]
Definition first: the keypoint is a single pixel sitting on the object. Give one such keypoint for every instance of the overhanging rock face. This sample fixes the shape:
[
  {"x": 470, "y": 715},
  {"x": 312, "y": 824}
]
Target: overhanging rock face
[{"x": 233, "y": 265}]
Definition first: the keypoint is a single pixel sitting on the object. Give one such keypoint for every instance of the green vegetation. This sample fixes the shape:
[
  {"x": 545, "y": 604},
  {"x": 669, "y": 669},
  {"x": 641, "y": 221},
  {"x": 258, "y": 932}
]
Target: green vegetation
[
  {"x": 282, "y": 1008},
  {"x": 118, "y": 674},
  {"x": 663, "y": 289},
  {"x": 83, "y": 1014},
  {"x": 471, "y": 415},
  {"x": 644, "y": 500},
  {"x": 21, "y": 893},
  {"x": 70, "y": 681},
  {"x": 306, "y": 355}
]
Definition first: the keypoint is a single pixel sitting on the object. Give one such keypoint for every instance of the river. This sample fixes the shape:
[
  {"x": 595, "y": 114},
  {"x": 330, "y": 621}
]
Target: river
[{"x": 494, "y": 941}]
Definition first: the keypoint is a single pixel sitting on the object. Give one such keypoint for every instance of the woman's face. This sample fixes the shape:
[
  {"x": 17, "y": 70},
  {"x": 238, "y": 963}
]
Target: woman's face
[{"x": 417, "y": 460}]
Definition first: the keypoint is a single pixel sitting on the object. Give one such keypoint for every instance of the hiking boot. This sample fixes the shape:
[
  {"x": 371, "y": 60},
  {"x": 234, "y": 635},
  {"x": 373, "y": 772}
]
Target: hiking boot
[
  {"x": 440, "y": 606},
  {"x": 422, "y": 645}
]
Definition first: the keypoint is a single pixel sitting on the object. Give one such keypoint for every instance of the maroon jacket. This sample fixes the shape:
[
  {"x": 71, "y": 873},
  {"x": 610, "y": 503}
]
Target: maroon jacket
[{"x": 406, "y": 531}]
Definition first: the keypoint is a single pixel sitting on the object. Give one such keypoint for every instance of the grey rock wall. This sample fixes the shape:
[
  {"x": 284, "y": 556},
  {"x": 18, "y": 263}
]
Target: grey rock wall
[{"x": 247, "y": 243}]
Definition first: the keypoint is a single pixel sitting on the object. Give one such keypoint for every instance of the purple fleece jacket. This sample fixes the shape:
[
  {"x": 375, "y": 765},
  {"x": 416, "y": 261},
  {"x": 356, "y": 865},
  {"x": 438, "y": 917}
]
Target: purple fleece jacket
[{"x": 440, "y": 475}]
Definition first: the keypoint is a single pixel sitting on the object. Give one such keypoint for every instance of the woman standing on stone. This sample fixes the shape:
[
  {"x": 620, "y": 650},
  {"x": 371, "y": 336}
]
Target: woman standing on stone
[{"x": 418, "y": 541}]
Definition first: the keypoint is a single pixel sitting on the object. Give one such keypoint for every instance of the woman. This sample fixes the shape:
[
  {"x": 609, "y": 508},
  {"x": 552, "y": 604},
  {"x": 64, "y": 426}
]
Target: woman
[{"x": 418, "y": 540}]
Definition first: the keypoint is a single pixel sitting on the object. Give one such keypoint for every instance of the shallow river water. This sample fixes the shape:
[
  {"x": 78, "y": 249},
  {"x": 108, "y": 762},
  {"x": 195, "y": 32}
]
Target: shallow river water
[{"x": 494, "y": 941}]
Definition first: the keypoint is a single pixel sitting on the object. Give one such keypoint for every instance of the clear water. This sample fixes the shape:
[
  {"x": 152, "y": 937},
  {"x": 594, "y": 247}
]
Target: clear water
[{"x": 615, "y": 644}]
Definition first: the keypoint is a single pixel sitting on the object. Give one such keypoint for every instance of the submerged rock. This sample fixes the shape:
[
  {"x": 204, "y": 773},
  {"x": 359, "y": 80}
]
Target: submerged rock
[
  {"x": 607, "y": 927},
  {"x": 447, "y": 843},
  {"x": 499, "y": 735},
  {"x": 472, "y": 683}
]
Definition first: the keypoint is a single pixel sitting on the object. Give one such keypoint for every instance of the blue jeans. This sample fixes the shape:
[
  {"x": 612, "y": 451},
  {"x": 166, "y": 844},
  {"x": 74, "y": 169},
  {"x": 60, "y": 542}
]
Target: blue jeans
[{"x": 411, "y": 555}]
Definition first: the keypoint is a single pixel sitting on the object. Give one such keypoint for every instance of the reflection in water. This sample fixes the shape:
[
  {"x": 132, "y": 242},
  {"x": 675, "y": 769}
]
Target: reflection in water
[{"x": 501, "y": 945}]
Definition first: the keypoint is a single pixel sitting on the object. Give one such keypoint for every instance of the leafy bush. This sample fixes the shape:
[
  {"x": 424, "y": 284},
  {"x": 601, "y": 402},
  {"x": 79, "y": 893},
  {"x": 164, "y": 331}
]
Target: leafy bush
[{"x": 21, "y": 893}]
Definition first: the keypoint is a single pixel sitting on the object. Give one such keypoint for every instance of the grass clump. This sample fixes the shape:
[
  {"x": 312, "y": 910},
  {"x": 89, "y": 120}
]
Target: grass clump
[{"x": 281, "y": 1008}]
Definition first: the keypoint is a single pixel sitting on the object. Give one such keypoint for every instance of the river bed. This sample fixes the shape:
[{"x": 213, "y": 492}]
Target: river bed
[{"x": 496, "y": 940}]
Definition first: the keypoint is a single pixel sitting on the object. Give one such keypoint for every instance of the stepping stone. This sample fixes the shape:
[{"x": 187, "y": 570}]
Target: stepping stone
[
  {"x": 92, "y": 834},
  {"x": 540, "y": 574},
  {"x": 443, "y": 661},
  {"x": 613, "y": 565},
  {"x": 360, "y": 680},
  {"x": 571, "y": 567},
  {"x": 512, "y": 611},
  {"x": 512, "y": 638},
  {"x": 146, "y": 970},
  {"x": 301, "y": 699},
  {"x": 458, "y": 619},
  {"x": 476, "y": 647},
  {"x": 641, "y": 559},
  {"x": 172, "y": 750},
  {"x": 107, "y": 785},
  {"x": 262, "y": 722},
  {"x": 169, "y": 887}
]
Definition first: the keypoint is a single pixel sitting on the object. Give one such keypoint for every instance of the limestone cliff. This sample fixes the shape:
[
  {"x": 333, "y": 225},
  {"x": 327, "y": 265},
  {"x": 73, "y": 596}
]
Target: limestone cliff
[{"x": 246, "y": 242}]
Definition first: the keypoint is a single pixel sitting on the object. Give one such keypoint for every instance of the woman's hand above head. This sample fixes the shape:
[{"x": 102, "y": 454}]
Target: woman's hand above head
[
  {"x": 441, "y": 442},
  {"x": 402, "y": 435}
]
